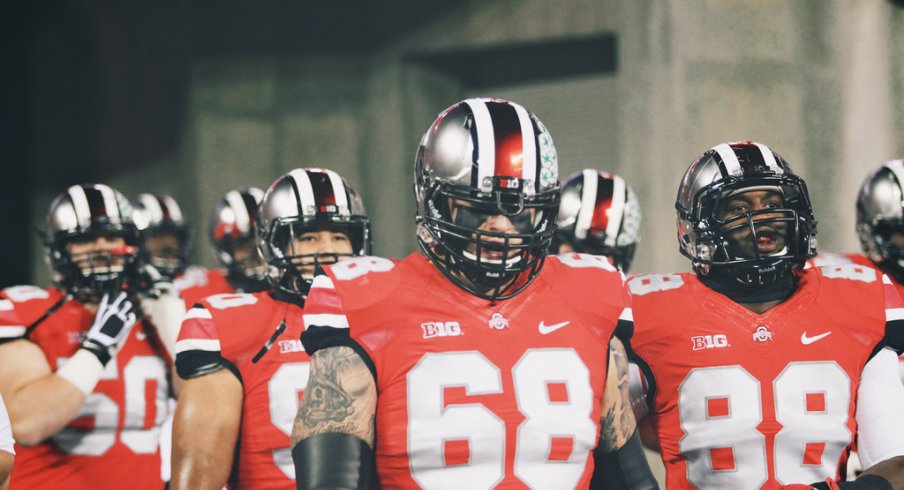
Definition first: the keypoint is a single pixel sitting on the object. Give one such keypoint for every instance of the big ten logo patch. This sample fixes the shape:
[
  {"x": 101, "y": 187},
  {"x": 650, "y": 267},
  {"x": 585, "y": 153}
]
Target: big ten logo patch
[
  {"x": 716, "y": 341},
  {"x": 441, "y": 329}
]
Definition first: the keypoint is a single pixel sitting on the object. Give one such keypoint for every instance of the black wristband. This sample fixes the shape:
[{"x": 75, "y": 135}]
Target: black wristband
[
  {"x": 333, "y": 461},
  {"x": 102, "y": 353}
]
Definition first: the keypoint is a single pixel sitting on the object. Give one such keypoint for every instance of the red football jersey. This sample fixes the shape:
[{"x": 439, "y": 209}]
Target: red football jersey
[
  {"x": 236, "y": 328},
  {"x": 747, "y": 401},
  {"x": 475, "y": 394},
  {"x": 824, "y": 259},
  {"x": 114, "y": 438},
  {"x": 197, "y": 284}
]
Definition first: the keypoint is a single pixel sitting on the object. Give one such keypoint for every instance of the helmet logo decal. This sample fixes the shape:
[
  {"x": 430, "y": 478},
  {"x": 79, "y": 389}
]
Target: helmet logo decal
[{"x": 549, "y": 160}]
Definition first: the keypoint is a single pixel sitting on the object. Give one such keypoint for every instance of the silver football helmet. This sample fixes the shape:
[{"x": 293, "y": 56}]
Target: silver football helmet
[
  {"x": 880, "y": 214},
  {"x": 159, "y": 219},
  {"x": 599, "y": 214},
  {"x": 705, "y": 237},
  {"x": 232, "y": 231},
  {"x": 307, "y": 199},
  {"x": 483, "y": 158},
  {"x": 81, "y": 214}
]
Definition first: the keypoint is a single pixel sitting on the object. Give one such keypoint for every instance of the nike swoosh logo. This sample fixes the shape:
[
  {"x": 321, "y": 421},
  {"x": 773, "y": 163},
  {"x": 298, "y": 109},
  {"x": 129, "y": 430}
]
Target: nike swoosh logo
[
  {"x": 809, "y": 340},
  {"x": 545, "y": 329}
]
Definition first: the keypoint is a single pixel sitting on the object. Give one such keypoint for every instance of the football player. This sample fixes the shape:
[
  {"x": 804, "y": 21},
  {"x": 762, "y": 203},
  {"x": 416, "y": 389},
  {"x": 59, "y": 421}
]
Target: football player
[
  {"x": 7, "y": 443},
  {"x": 761, "y": 373},
  {"x": 599, "y": 215},
  {"x": 471, "y": 365},
  {"x": 164, "y": 233},
  {"x": 83, "y": 378},
  {"x": 232, "y": 233},
  {"x": 880, "y": 223},
  {"x": 241, "y": 356}
]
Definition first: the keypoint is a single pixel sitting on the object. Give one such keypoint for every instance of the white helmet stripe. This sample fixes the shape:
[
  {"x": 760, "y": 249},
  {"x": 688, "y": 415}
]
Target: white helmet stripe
[
  {"x": 152, "y": 208},
  {"x": 305, "y": 191},
  {"x": 769, "y": 158},
  {"x": 616, "y": 210},
  {"x": 339, "y": 192},
  {"x": 897, "y": 168},
  {"x": 175, "y": 211},
  {"x": 529, "y": 149},
  {"x": 80, "y": 204},
  {"x": 110, "y": 203},
  {"x": 588, "y": 203},
  {"x": 486, "y": 143},
  {"x": 239, "y": 210},
  {"x": 729, "y": 159}
]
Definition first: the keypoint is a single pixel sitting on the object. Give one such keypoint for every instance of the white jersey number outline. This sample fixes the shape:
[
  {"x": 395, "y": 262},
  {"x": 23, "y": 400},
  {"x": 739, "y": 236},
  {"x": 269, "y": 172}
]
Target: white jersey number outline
[
  {"x": 284, "y": 388},
  {"x": 138, "y": 372},
  {"x": 810, "y": 398},
  {"x": 431, "y": 425}
]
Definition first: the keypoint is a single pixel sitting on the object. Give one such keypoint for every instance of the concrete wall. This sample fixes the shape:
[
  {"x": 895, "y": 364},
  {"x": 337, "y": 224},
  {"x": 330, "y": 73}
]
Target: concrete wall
[
  {"x": 816, "y": 80},
  {"x": 820, "y": 81}
]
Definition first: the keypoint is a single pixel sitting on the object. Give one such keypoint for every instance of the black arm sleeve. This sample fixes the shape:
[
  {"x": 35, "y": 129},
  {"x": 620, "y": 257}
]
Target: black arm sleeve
[
  {"x": 894, "y": 335},
  {"x": 333, "y": 461},
  {"x": 194, "y": 363},
  {"x": 865, "y": 482},
  {"x": 625, "y": 468}
]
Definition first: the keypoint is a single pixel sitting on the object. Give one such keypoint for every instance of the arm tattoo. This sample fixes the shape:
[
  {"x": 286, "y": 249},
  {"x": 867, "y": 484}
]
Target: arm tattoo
[
  {"x": 340, "y": 397},
  {"x": 617, "y": 424}
]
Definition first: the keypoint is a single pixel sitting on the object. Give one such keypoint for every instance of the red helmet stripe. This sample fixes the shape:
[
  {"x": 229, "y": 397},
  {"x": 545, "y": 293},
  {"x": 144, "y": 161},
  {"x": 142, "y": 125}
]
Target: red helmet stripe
[
  {"x": 602, "y": 209},
  {"x": 96, "y": 203},
  {"x": 509, "y": 155},
  {"x": 323, "y": 189}
]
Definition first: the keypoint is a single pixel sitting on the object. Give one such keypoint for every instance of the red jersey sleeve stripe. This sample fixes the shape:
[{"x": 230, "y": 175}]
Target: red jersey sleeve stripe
[
  {"x": 323, "y": 307},
  {"x": 198, "y": 332}
]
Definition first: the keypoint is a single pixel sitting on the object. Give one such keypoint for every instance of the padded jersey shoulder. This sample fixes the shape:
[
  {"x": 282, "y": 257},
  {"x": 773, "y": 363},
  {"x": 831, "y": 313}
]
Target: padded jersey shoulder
[
  {"x": 856, "y": 293},
  {"x": 591, "y": 285},
  {"x": 660, "y": 299}
]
